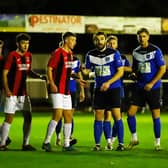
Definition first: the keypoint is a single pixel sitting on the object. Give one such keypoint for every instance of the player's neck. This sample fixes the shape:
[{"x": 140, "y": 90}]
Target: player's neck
[
  {"x": 103, "y": 49},
  {"x": 145, "y": 45},
  {"x": 67, "y": 49},
  {"x": 20, "y": 52}
]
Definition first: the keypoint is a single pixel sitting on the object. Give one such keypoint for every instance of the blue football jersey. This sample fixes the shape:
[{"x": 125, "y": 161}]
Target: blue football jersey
[
  {"x": 146, "y": 63},
  {"x": 105, "y": 65},
  {"x": 75, "y": 68}
]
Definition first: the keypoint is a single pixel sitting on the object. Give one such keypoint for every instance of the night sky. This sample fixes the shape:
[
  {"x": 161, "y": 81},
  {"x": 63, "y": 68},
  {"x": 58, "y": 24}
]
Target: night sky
[{"x": 154, "y": 8}]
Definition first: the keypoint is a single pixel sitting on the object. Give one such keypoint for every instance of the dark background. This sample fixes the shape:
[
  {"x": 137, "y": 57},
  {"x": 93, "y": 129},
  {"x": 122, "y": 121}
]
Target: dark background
[
  {"x": 83, "y": 7},
  {"x": 46, "y": 42}
]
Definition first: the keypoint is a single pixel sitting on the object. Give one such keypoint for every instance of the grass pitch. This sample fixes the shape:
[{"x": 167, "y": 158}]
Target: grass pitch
[{"x": 142, "y": 155}]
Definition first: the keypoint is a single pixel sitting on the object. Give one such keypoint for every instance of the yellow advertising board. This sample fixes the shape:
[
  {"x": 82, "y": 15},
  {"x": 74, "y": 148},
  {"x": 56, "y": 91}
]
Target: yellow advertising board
[{"x": 54, "y": 23}]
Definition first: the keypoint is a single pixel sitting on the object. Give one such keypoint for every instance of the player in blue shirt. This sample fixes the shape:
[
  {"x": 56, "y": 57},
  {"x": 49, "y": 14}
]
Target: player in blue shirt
[
  {"x": 112, "y": 42},
  {"x": 76, "y": 69},
  {"x": 107, "y": 65},
  {"x": 148, "y": 69}
]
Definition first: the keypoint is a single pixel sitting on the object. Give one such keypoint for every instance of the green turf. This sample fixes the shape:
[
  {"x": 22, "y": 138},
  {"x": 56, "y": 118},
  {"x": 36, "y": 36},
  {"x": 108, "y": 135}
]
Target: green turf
[{"x": 142, "y": 155}]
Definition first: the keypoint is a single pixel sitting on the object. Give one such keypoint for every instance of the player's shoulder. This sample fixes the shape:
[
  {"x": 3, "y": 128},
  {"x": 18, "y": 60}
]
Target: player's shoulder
[
  {"x": 153, "y": 47},
  {"x": 28, "y": 53},
  {"x": 112, "y": 51},
  {"x": 91, "y": 52},
  {"x": 57, "y": 50}
]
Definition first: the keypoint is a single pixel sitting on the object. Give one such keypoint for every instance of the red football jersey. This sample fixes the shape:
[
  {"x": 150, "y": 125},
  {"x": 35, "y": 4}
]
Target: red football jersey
[
  {"x": 19, "y": 67},
  {"x": 61, "y": 62}
]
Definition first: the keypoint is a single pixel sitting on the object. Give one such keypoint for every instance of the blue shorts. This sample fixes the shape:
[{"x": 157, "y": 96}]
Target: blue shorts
[{"x": 108, "y": 99}]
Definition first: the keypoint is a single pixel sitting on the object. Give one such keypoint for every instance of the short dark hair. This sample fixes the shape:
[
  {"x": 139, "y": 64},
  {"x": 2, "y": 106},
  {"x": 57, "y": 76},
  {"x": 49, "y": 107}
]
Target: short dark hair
[
  {"x": 67, "y": 34},
  {"x": 141, "y": 30},
  {"x": 22, "y": 36},
  {"x": 98, "y": 34}
]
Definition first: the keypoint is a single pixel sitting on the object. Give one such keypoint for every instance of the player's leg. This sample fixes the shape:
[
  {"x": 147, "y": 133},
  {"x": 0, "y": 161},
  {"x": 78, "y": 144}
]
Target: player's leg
[
  {"x": 137, "y": 100},
  {"x": 8, "y": 140},
  {"x": 156, "y": 127},
  {"x": 131, "y": 120},
  {"x": 107, "y": 128},
  {"x": 99, "y": 106},
  {"x": 113, "y": 101},
  {"x": 27, "y": 115},
  {"x": 154, "y": 104},
  {"x": 119, "y": 128},
  {"x": 9, "y": 110},
  {"x": 57, "y": 101},
  {"x": 67, "y": 129},
  {"x": 114, "y": 128},
  {"x": 98, "y": 128},
  {"x": 114, "y": 133},
  {"x": 68, "y": 115},
  {"x": 58, "y": 132},
  {"x": 73, "y": 141}
]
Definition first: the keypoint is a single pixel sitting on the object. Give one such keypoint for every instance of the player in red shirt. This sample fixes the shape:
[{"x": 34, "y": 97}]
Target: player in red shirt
[
  {"x": 16, "y": 68},
  {"x": 59, "y": 73},
  {"x": 8, "y": 140}
]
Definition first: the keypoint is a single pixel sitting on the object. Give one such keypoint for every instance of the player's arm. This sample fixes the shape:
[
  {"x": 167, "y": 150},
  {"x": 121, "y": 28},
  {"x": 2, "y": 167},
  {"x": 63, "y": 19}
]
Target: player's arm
[
  {"x": 5, "y": 82},
  {"x": 157, "y": 77},
  {"x": 117, "y": 76},
  {"x": 34, "y": 74},
  {"x": 82, "y": 84},
  {"x": 159, "y": 74},
  {"x": 53, "y": 87},
  {"x": 127, "y": 69}
]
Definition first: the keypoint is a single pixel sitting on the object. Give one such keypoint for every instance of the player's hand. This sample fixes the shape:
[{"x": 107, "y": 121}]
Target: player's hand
[
  {"x": 82, "y": 82},
  {"x": 148, "y": 86},
  {"x": 132, "y": 76},
  {"x": 43, "y": 77},
  {"x": 53, "y": 88},
  {"x": 81, "y": 97},
  {"x": 105, "y": 86},
  {"x": 8, "y": 93}
]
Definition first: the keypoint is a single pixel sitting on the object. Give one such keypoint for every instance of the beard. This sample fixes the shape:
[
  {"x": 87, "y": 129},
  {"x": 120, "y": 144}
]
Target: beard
[{"x": 100, "y": 46}]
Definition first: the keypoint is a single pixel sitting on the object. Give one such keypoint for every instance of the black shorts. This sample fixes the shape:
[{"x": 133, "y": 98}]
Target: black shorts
[
  {"x": 74, "y": 99},
  {"x": 107, "y": 100},
  {"x": 140, "y": 97}
]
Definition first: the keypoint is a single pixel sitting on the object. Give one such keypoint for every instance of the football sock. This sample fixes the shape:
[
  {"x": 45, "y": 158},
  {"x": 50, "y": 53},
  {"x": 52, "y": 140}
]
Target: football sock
[
  {"x": 98, "y": 129},
  {"x": 114, "y": 130},
  {"x": 67, "y": 133},
  {"x": 120, "y": 130},
  {"x": 157, "y": 127},
  {"x": 107, "y": 129},
  {"x": 50, "y": 130},
  {"x": 58, "y": 127},
  {"x": 131, "y": 120},
  {"x": 26, "y": 126},
  {"x": 157, "y": 141},
  {"x": 5, "y": 132}
]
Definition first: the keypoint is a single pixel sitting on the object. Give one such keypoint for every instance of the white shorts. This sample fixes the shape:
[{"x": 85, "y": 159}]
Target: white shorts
[
  {"x": 61, "y": 101},
  {"x": 15, "y": 103}
]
